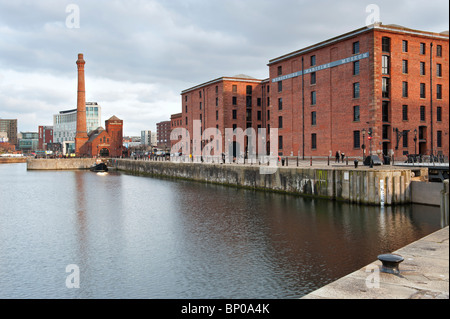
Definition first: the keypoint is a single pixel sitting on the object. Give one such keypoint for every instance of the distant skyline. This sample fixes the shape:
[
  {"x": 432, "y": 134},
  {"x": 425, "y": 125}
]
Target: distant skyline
[{"x": 141, "y": 54}]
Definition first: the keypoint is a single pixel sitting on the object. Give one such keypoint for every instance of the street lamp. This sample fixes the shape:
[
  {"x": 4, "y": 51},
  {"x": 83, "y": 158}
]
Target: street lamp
[
  {"x": 364, "y": 143},
  {"x": 370, "y": 146},
  {"x": 415, "y": 144}
]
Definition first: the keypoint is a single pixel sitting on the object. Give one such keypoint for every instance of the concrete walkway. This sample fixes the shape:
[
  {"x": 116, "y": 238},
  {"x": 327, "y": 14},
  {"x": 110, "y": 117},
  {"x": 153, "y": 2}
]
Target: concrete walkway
[{"x": 424, "y": 274}]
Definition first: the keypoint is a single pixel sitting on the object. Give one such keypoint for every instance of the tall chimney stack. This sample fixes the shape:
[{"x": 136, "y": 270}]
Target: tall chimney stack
[{"x": 81, "y": 136}]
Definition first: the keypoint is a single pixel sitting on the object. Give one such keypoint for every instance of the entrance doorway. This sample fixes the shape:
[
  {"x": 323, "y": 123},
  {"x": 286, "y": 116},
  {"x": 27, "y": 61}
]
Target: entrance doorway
[{"x": 104, "y": 152}]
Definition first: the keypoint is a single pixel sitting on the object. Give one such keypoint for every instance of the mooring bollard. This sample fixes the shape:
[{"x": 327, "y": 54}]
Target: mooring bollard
[{"x": 390, "y": 263}]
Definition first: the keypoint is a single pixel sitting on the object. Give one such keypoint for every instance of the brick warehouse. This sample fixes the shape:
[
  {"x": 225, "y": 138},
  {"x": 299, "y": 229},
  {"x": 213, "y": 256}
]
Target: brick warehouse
[
  {"x": 227, "y": 102},
  {"x": 386, "y": 79}
]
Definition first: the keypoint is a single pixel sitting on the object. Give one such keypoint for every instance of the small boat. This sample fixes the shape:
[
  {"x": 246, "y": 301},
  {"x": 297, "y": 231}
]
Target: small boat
[{"x": 100, "y": 167}]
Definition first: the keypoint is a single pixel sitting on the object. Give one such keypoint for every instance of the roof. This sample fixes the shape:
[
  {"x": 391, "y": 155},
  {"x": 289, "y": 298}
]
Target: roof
[
  {"x": 114, "y": 118},
  {"x": 237, "y": 78},
  {"x": 376, "y": 26}
]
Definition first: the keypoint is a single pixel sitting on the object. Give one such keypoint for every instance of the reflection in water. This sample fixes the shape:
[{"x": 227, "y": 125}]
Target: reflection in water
[{"x": 136, "y": 237}]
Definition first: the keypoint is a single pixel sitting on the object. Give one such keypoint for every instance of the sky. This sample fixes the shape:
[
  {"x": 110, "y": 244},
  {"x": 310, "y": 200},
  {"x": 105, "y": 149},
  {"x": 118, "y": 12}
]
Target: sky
[{"x": 140, "y": 54}]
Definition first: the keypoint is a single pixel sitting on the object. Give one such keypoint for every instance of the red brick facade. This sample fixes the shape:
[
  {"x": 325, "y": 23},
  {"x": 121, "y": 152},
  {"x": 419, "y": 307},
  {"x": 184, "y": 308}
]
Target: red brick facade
[
  {"x": 339, "y": 121},
  {"x": 224, "y": 103},
  {"x": 106, "y": 142},
  {"x": 328, "y": 97}
]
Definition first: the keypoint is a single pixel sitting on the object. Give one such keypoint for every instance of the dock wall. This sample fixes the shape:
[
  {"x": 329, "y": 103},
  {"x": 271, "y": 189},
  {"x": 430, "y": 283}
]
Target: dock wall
[
  {"x": 60, "y": 163},
  {"x": 362, "y": 185}
]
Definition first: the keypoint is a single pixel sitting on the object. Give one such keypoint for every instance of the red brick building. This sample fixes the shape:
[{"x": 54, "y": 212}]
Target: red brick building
[
  {"x": 386, "y": 79},
  {"x": 106, "y": 142},
  {"x": 45, "y": 136},
  {"x": 225, "y": 103},
  {"x": 163, "y": 130},
  {"x": 176, "y": 121}
]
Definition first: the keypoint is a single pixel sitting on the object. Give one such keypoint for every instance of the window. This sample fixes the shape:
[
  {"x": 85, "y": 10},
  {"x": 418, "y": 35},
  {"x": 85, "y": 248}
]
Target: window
[
  {"x": 234, "y": 100},
  {"x": 280, "y": 86},
  {"x": 422, "y": 113},
  {"x": 385, "y": 111},
  {"x": 439, "y": 138},
  {"x": 248, "y": 101},
  {"x": 439, "y": 114},
  {"x": 405, "y": 66},
  {"x": 258, "y": 101},
  {"x": 385, "y": 87},
  {"x": 405, "y": 138},
  {"x": 439, "y": 91},
  {"x": 422, "y": 90},
  {"x": 200, "y": 94},
  {"x": 280, "y": 142},
  {"x": 268, "y": 115},
  {"x": 313, "y": 98},
  {"x": 200, "y": 105},
  {"x": 186, "y": 108},
  {"x": 439, "y": 70},
  {"x": 405, "y": 89},
  {"x": 186, "y": 120},
  {"x": 217, "y": 115},
  {"x": 386, "y": 44},
  {"x": 280, "y": 70},
  {"x": 313, "y": 118},
  {"x": 249, "y": 89},
  {"x": 313, "y": 78},
  {"x": 313, "y": 60},
  {"x": 356, "y": 139},
  {"x": 405, "y": 46},
  {"x": 314, "y": 141},
  {"x": 185, "y": 98},
  {"x": 422, "y": 48},
  {"x": 439, "y": 51},
  {"x": 405, "y": 112},
  {"x": 259, "y": 116},
  {"x": 234, "y": 88},
  {"x": 217, "y": 101},
  {"x": 356, "y": 68},
  {"x": 356, "y": 47},
  {"x": 280, "y": 122},
  {"x": 234, "y": 113},
  {"x": 356, "y": 90},
  {"x": 280, "y": 103},
  {"x": 356, "y": 116},
  {"x": 422, "y": 68},
  {"x": 385, "y": 64}
]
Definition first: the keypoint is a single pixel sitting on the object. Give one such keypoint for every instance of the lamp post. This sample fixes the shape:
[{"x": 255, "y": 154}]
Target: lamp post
[
  {"x": 364, "y": 143},
  {"x": 415, "y": 144}
]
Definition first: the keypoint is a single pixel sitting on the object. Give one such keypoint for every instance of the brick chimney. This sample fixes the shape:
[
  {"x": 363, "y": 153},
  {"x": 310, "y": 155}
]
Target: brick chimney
[{"x": 81, "y": 136}]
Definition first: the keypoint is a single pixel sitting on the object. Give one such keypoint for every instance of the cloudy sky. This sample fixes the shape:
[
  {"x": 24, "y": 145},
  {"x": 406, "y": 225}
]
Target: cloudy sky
[{"x": 140, "y": 54}]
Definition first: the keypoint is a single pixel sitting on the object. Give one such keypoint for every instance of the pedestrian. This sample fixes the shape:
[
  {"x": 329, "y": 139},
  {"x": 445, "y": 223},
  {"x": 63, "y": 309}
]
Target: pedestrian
[
  {"x": 343, "y": 156},
  {"x": 337, "y": 157}
]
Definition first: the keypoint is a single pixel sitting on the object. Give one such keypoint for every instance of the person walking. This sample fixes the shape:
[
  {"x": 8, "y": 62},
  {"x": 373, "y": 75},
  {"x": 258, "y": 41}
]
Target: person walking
[
  {"x": 337, "y": 157},
  {"x": 343, "y": 157}
]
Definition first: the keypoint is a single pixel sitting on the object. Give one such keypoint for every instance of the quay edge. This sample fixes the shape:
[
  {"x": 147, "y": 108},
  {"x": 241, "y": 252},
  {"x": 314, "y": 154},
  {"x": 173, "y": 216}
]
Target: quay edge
[{"x": 391, "y": 186}]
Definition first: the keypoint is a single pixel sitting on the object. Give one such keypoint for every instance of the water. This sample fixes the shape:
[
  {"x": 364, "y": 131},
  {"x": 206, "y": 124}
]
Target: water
[{"x": 139, "y": 237}]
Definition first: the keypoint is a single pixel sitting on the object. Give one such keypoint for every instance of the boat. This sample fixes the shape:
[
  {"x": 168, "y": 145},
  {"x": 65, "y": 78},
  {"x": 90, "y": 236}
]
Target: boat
[{"x": 99, "y": 167}]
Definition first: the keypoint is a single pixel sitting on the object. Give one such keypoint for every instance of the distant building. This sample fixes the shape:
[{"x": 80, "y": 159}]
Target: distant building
[
  {"x": 45, "y": 137},
  {"x": 146, "y": 137},
  {"x": 176, "y": 121},
  {"x": 163, "y": 134},
  {"x": 10, "y": 127},
  {"x": 65, "y": 125},
  {"x": 29, "y": 142}
]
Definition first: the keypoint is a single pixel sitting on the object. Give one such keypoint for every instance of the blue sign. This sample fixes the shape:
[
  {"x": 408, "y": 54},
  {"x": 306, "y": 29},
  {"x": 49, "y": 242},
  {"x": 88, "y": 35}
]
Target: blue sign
[{"x": 323, "y": 66}]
